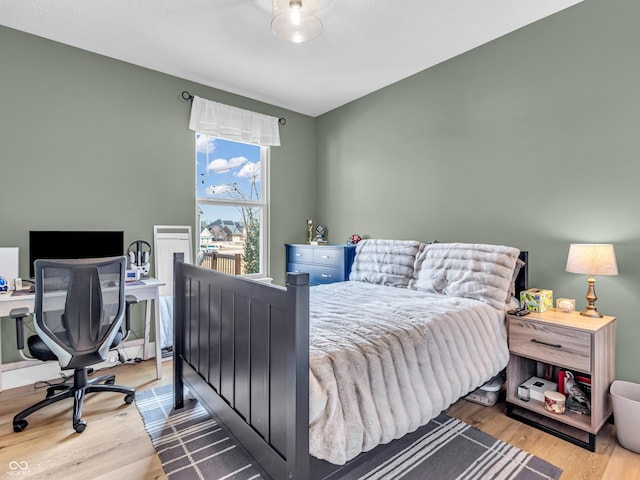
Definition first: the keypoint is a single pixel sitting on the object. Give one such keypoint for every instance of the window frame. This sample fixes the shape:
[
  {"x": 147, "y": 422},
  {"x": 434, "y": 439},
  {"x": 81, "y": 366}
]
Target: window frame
[{"x": 262, "y": 204}]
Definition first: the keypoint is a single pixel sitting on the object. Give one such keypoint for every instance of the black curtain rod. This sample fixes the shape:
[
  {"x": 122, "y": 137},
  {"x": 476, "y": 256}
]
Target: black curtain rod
[{"x": 187, "y": 96}]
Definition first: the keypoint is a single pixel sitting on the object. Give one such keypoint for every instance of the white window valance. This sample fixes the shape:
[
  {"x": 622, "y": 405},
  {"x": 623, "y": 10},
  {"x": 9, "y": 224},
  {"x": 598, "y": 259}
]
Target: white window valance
[{"x": 232, "y": 123}]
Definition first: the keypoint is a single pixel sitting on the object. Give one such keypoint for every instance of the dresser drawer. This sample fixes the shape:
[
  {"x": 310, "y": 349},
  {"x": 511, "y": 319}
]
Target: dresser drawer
[
  {"x": 557, "y": 345},
  {"x": 300, "y": 254},
  {"x": 298, "y": 268},
  {"x": 318, "y": 274},
  {"x": 328, "y": 256},
  {"x": 322, "y": 275}
]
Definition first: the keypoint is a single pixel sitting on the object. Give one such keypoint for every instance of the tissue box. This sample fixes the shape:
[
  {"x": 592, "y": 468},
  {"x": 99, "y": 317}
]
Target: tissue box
[{"x": 536, "y": 300}]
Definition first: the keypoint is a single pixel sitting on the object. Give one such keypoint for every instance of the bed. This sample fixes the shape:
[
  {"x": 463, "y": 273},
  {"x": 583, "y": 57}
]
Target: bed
[{"x": 312, "y": 380}]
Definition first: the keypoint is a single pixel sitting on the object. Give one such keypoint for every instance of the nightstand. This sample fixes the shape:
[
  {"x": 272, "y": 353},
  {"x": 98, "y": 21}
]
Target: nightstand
[
  {"x": 570, "y": 341},
  {"x": 323, "y": 263}
]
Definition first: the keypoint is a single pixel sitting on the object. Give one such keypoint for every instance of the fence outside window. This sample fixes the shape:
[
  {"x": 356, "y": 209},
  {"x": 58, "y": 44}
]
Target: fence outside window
[{"x": 223, "y": 262}]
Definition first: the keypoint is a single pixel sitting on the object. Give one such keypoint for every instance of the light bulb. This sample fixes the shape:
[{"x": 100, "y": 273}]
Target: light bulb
[{"x": 295, "y": 21}]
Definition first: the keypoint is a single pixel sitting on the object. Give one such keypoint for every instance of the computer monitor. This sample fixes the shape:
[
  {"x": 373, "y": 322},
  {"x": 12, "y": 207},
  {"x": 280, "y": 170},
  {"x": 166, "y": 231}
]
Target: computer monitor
[{"x": 56, "y": 244}]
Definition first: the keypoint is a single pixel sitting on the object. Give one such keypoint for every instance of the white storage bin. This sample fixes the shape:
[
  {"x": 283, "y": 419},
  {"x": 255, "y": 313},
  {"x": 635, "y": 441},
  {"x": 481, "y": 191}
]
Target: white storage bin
[
  {"x": 626, "y": 411},
  {"x": 488, "y": 393}
]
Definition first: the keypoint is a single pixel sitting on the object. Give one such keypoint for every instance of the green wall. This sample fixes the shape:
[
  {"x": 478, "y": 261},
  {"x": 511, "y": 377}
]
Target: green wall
[
  {"x": 530, "y": 141},
  {"x": 88, "y": 142}
]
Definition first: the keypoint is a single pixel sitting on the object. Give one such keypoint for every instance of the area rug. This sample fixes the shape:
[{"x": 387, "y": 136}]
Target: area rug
[{"x": 193, "y": 445}]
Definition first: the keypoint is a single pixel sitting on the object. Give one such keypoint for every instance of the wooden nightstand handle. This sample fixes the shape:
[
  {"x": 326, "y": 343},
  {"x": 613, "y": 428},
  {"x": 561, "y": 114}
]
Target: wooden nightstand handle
[{"x": 553, "y": 345}]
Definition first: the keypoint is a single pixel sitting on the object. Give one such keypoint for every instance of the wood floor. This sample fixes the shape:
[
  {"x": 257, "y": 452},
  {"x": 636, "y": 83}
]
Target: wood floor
[{"x": 116, "y": 446}]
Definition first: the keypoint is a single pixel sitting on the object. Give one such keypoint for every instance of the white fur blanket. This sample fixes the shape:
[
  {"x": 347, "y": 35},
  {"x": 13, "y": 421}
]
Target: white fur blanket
[
  {"x": 386, "y": 360},
  {"x": 166, "y": 320}
]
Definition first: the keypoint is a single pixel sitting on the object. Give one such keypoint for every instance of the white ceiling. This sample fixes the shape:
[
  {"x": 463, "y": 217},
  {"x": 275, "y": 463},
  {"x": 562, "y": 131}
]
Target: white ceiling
[{"x": 228, "y": 44}]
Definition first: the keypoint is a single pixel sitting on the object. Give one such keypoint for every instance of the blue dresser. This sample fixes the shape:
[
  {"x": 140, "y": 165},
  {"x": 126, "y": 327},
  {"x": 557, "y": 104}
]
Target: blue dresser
[{"x": 323, "y": 263}]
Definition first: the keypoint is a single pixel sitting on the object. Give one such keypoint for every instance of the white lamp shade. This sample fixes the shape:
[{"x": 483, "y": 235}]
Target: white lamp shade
[
  {"x": 592, "y": 259},
  {"x": 296, "y": 20}
]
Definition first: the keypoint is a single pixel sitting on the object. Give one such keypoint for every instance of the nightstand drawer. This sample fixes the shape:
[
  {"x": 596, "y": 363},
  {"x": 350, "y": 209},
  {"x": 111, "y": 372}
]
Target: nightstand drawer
[
  {"x": 552, "y": 344},
  {"x": 328, "y": 256}
]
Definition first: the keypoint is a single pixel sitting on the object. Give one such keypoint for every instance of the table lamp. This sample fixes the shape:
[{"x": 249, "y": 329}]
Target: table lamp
[{"x": 592, "y": 259}]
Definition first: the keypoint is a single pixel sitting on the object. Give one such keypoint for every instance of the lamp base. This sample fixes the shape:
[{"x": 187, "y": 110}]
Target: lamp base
[
  {"x": 591, "y": 310},
  {"x": 593, "y": 313}
]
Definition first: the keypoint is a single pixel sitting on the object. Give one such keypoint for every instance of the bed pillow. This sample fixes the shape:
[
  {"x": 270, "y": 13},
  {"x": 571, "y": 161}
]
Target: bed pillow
[
  {"x": 385, "y": 262},
  {"x": 471, "y": 270},
  {"x": 418, "y": 264}
]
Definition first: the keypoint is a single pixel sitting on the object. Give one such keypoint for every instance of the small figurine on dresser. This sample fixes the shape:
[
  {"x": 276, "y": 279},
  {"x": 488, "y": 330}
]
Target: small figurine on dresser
[
  {"x": 310, "y": 227},
  {"x": 354, "y": 239},
  {"x": 321, "y": 233}
]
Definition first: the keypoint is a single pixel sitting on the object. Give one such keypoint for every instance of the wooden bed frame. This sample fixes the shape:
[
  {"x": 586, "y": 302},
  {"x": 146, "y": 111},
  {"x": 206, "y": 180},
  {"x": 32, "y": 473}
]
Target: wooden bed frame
[{"x": 242, "y": 348}]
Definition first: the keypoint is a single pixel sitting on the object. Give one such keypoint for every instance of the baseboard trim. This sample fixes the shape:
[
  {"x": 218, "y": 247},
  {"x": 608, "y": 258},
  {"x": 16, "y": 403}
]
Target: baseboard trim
[{"x": 26, "y": 372}]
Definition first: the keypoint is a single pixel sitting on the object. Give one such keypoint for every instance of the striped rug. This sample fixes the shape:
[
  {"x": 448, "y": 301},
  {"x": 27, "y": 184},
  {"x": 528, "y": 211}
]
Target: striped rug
[{"x": 192, "y": 445}]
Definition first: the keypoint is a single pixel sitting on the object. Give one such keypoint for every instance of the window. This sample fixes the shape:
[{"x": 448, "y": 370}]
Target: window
[{"x": 231, "y": 193}]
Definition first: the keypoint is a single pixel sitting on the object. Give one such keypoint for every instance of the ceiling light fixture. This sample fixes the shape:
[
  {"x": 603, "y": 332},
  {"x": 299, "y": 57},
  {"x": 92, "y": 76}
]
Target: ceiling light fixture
[{"x": 296, "y": 20}]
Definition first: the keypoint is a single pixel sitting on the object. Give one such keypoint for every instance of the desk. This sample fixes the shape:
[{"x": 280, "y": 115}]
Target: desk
[{"x": 147, "y": 290}]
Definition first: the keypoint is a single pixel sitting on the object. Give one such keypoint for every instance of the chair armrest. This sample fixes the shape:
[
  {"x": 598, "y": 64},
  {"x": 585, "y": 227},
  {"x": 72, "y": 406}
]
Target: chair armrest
[
  {"x": 130, "y": 299},
  {"x": 18, "y": 314}
]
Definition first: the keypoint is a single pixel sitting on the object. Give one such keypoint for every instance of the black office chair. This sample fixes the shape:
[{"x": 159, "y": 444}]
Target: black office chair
[{"x": 78, "y": 317}]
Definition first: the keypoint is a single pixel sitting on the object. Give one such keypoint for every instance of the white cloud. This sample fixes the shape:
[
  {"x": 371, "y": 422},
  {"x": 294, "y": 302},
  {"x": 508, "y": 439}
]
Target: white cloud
[
  {"x": 220, "y": 165},
  {"x": 205, "y": 144},
  {"x": 218, "y": 190},
  {"x": 250, "y": 170}
]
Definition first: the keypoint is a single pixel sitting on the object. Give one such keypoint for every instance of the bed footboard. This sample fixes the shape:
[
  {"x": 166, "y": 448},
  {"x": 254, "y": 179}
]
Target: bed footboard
[{"x": 242, "y": 349}]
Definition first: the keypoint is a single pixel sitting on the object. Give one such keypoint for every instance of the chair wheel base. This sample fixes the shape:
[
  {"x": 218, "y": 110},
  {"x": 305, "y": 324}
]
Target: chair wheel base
[
  {"x": 80, "y": 426},
  {"x": 20, "y": 425},
  {"x": 128, "y": 399}
]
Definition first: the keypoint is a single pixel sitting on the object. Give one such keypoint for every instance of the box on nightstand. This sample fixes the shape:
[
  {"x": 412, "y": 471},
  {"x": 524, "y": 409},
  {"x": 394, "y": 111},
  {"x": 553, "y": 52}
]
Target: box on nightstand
[
  {"x": 536, "y": 300},
  {"x": 537, "y": 387}
]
